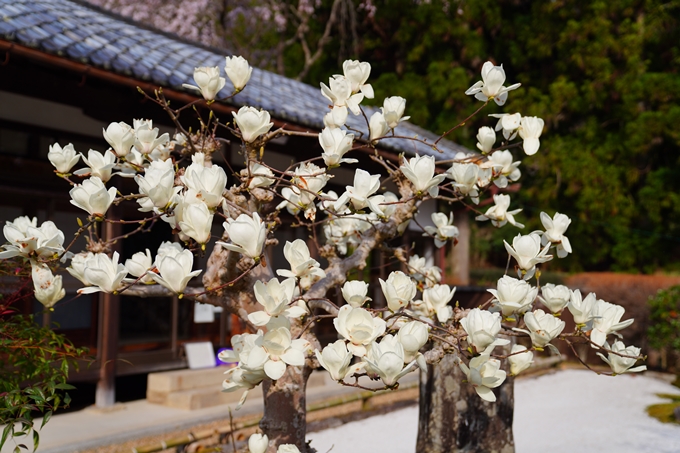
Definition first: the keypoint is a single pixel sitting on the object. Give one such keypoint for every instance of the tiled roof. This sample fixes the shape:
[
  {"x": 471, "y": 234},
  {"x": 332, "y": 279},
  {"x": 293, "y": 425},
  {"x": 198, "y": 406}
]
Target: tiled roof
[{"x": 88, "y": 35}]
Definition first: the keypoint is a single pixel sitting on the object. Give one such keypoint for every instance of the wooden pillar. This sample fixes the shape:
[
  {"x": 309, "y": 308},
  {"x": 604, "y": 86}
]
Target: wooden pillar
[
  {"x": 460, "y": 255},
  {"x": 109, "y": 320}
]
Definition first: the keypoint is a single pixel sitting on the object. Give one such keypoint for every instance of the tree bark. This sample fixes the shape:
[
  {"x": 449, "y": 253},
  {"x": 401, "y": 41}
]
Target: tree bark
[
  {"x": 453, "y": 419},
  {"x": 285, "y": 409}
]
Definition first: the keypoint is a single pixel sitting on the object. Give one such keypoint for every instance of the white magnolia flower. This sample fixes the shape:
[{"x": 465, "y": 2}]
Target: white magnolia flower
[
  {"x": 443, "y": 229},
  {"x": 436, "y": 300},
  {"x": 399, "y": 290},
  {"x": 484, "y": 374},
  {"x": 276, "y": 349},
  {"x": 335, "y": 358},
  {"x": 238, "y": 70},
  {"x": 377, "y": 126},
  {"x": 208, "y": 80},
  {"x": 465, "y": 178},
  {"x": 252, "y": 122},
  {"x": 260, "y": 176},
  {"x": 491, "y": 85},
  {"x": 618, "y": 364},
  {"x": 555, "y": 297},
  {"x": 504, "y": 169},
  {"x": 509, "y": 123},
  {"x": 139, "y": 264},
  {"x": 357, "y": 73},
  {"x": 48, "y": 287},
  {"x": 339, "y": 93},
  {"x": 77, "y": 268},
  {"x": 606, "y": 320},
  {"x": 310, "y": 180},
  {"x": 174, "y": 272},
  {"x": 64, "y": 158},
  {"x": 554, "y": 232},
  {"x": 98, "y": 165},
  {"x": 526, "y": 249},
  {"x": 27, "y": 240},
  {"x": 499, "y": 214},
  {"x": 92, "y": 196},
  {"x": 513, "y": 296},
  {"x": 393, "y": 111},
  {"x": 355, "y": 293},
  {"x": 543, "y": 327},
  {"x": 121, "y": 137},
  {"x": 103, "y": 273},
  {"x": 147, "y": 137},
  {"x": 275, "y": 297},
  {"x": 208, "y": 182},
  {"x": 520, "y": 361},
  {"x": 196, "y": 222},
  {"x": 386, "y": 359},
  {"x": 360, "y": 194},
  {"x": 301, "y": 262},
  {"x": 420, "y": 171},
  {"x": 358, "y": 327},
  {"x": 239, "y": 378},
  {"x": 530, "y": 130},
  {"x": 486, "y": 138},
  {"x": 158, "y": 185},
  {"x": 258, "y": 443},
  {"x": 288, "y": 448},
  {"x": 247, "y": 235},
  {"x": 482, "y": 327},
  {"x": 335, "y": 143},
  {"x": 168, "y": 248},
  {"x": 580, "y": 308},
  {"x": 413, "y": 335}
]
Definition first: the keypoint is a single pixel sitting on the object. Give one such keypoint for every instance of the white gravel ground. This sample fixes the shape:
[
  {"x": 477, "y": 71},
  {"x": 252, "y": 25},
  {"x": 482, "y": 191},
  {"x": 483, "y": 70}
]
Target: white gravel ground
[{"x": 566, "y": 412}]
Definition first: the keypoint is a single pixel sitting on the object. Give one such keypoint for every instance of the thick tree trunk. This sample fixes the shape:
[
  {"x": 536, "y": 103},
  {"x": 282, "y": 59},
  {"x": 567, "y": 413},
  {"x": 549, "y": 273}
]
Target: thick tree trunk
[
  {"x": 453, "y": 419},
  {"x": 285, "y": 409}
]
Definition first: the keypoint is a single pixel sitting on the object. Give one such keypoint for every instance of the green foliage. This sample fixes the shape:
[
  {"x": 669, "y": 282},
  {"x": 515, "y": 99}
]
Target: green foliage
[
  {"x": 34, "y": 366},
  {"x": 604, "y": 76},
  {"x": 664, "y": 320}
]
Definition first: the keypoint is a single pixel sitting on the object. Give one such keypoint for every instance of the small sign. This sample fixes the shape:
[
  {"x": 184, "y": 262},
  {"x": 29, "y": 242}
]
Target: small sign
[
  {"x": 203, "y": 313},
  {"x": 200, "y": 355}
]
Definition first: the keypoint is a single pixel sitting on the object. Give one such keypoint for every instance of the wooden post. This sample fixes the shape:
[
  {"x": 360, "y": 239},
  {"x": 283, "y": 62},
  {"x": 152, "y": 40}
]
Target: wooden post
[{"x": 460, "y": 256}]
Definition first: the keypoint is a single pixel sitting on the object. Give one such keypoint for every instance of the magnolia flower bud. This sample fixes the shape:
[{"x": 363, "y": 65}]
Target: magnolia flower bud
[
  {"x": 64, "y": 158},
  {"x": 260, "y": 176},
  {"x": 301, "y": 263},
  {"x": 437, "y": 299},
  {"x": 92, "y": 196},
  {"x": 399, "y": 290},
  {"x": 196, "y": 222},
  {"x": 513, "y": 296},
  {"x": 157, "y": 184},
  {"x": 139, "y": 264},
  {"x": 377, "y": 126},
  {"x": 48, "y": 288},
  {"x": 520, "y": 361},
  {"x": 209, "y": 82},
  {"x": 121, "y": 137},
  {"x": 386, "y": 359},
  {"x": 287, "y": 448},
  {"x": 354, "y": 292},
  {"x": 335, "y": 359},
  {"x": 393, "y": 111},
  {"x": 486, "y": 138},
  {"x": 252, "y": 122},
  {"x": 530, "y": 130},
  {"x": 413, "y": 335},
  {"x": 357, "y": 72},
  {"x": 526, "y": 249},
  {"x": 238, "y": 70},
  {"x": 174, "y": 272},
  {"x": 258, "y": 443}
]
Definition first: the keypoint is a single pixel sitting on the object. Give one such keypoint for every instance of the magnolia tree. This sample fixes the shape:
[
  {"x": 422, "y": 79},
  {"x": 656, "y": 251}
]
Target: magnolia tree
[{"x": 376, "y": 346}]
